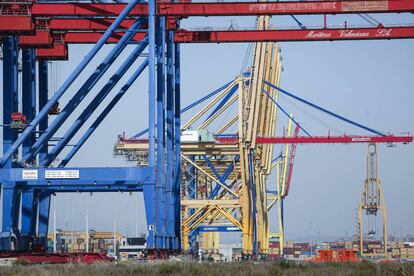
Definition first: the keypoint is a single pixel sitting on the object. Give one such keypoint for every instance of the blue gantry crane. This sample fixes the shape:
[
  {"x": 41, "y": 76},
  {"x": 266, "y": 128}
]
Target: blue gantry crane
[{"x": 26, "y": 176}]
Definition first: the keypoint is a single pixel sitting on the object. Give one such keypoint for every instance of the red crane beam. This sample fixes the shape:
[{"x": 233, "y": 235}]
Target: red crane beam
[
  {"x": 85, "y": 9},
  {"x": 346, "y": 139},
  {"x": 184, "y": 36},
  {"x": 86, "y": 24},
  {"x": 284, "y": 8},
  {"x": 59, "y": 51},
  {"x": 226, "y": 9},
  {"x": 40, "y": 39},
  {"x": 93, "y": 37},
  {"x": 14, "y": 18},
  {"x": 11, "y": 24},
  {"x": 25, "y": 24},
  {"x": 47, "y": 49},
  {"x": 43, "y": 38},
  {"x": 334, "y": 139}
]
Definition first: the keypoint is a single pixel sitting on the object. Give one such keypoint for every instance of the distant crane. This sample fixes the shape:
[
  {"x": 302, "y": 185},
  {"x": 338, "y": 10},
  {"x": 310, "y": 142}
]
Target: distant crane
[{"x": 372, "y": 201}]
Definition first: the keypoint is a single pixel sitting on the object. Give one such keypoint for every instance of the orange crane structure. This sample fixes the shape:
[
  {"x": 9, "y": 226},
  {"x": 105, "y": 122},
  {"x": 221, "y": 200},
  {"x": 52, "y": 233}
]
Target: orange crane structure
[{"x": 372, "y": 203}]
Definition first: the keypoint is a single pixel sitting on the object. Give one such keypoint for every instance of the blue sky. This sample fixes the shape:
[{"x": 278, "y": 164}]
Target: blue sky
[{"x": 368, "y": 81}]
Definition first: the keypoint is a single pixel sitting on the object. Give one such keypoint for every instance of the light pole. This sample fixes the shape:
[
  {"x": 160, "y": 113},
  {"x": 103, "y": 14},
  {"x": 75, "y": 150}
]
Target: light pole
[
  {"x": 54, "y": 225},
  {"x": 86, "y": 225}
]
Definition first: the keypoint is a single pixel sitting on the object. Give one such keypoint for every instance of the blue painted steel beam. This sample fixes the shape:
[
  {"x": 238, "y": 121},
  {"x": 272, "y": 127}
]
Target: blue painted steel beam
[
  {"x": 84, "y": 90},
  {"x": 174, "y": 206},
  {"x": 190, "y": 106},
  {"x": 97, "y": 100},
  {"x": 149, "y": 191},
  {"x": 8, "y": 236},
  {"x": 149, "y": 199},
  {"x": 27, "y": 210},
  {"x": 300, "y": 24},
  {"x": 277, "y": 158},
  {"x": 73, "y": 76},
  {"x": 224, "y": 177},
  {"x": 211, "y": 166},
  {"x": 29, "y": 216},
  {"x": 11, "y": 214},
  {"x": 16, "y": 214},
  {"x": 169, "y": 173},
  {"x": 324, "y": 110},
  {"x": 11, "y": 198},
  {"x": 226, "y": 135},
  {"x": 29, "y": 93},
  {"x": 208, "y": 96},
  {"x": 76, "y": 176},
  {"x": 285, "y": 112},
  {"x": 192, "y": 195},
  {"x": 220, "y": 228},
  {"x": 43, "y": 98},
  {"x": 223, "y": 101},
  {"x": 43, "y": 218},
  {"x": 192, "y": 185},
  {"x": 29, "y": 203},
  {"x": 10, "y": 93},
  {"x": 160, "y": 170},
  {"x": 15, "y": 89},
  {"x": 87, "y": 188},
  {"x": 151, "y": 82},
  {"x": 177, "y": 145},
  {"x": 271, "y": 192},
  {"x": 104, "y": 113}
]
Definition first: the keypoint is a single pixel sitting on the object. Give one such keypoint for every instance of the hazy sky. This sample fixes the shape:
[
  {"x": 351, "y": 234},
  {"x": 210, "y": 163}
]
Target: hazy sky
[{"x": 368, "y": 81}]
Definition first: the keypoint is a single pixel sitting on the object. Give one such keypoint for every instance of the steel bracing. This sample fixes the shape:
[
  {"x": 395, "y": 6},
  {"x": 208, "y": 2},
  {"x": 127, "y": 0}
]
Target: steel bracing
[{"x": 200, "y": 177}]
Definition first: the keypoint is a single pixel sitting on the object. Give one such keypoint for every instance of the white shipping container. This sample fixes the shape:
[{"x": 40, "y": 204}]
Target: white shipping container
[{"x": 189, "y": 136}]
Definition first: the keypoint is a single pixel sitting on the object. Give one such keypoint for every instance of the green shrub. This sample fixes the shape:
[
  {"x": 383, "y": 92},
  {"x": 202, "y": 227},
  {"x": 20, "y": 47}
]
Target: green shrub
[{"x": 21, "y": 262}]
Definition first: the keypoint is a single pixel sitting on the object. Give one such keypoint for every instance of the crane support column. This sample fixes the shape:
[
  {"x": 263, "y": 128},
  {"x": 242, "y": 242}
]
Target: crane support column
[
  {"x": 29, "y": 219},
  {"x": 169, "y": 175},
  {"x": 29, "y": 93},
  {"x": 43, "y": 222},
  {"x": 10, "y": 92},
  {"x": 149, "y": 187},
  {"x": 10, "y": 212},
  {"x": 160, "y": 170},
  {"x": 29, "y": 110},
  {"x": 43, "y": 98},
  {"x": 11, "y": 196},
  {"x": 177, "y": 145}
]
